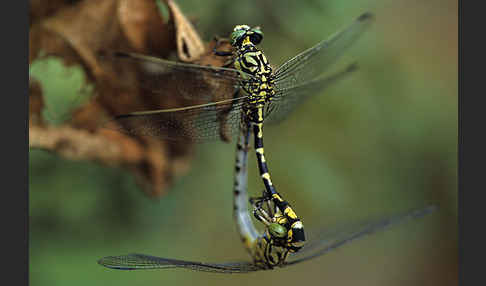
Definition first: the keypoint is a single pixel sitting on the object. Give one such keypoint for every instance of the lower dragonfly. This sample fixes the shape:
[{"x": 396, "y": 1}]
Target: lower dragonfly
[
  {"x": 266, "y": 249},
  {"x": 270, "y": 248}
]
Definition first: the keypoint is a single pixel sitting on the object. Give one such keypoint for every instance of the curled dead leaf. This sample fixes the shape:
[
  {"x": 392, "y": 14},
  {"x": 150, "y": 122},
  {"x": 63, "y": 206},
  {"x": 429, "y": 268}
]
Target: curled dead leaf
[
  {"x": 76, "y": 33},
  {"x": 189, "y": 45}
]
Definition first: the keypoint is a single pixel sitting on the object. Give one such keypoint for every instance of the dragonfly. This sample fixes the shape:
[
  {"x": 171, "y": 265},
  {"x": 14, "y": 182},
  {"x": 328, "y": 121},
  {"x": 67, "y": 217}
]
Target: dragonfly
[
  {"x": 324, "y": 242},
  {"x": 252, "y": 95}
]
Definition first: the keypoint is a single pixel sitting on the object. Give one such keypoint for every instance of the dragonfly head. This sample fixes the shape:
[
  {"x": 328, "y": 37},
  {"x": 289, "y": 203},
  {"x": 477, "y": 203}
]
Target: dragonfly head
[
  {"x": 243, "y": 34},
  {"x": 277, "y": 231}
]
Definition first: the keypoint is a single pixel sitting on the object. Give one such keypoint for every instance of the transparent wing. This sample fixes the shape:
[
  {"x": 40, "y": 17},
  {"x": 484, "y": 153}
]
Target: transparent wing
[
  {"x": 168, "y": 78},
  {"x": 288, "y": 99},
  {"x": 327, "y": 241},
  {"x": 141, "y": 261},
  {"x": 214, "y": 121},
  {"x": 209, "y": 109},
  {"x": 313, "y": 62}
]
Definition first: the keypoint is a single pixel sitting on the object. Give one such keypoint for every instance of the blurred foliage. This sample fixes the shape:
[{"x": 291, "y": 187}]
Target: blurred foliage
[
  {"x": 64, "y": 88},
  {"x": 382, "y": 141}
]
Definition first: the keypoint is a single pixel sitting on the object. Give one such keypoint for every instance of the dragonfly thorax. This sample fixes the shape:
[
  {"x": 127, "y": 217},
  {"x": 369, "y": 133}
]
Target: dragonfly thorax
[{"x": 252, "y": 61}]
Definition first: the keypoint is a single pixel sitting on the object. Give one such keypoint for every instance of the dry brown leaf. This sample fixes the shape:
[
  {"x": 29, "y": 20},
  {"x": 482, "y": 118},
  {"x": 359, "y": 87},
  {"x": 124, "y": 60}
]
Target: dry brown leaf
[
  {"x": 77, "y": 144},
  {"x": 144, "y": 27},
  {"x": 77, "y": 33},
  {"x": 40, "y": 9},
  {"x": 36, "y": 103},
  {"x": 189, "y": 45}
]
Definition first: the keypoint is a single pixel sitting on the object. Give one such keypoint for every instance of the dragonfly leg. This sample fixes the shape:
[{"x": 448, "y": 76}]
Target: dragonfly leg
[
  {"x": 218, "y": 44},
  {"x": 220, "y": 40},
  {"x": 222, "y": 53},
  {"x": 257, "y": 203},
  {"x": 271, "y": 209},
  {"x": 261, "y": 215},
  {"x": 259, "y": 200},
  {"x": 275, "y": 255},
  {"x": 228, "y": 63}
]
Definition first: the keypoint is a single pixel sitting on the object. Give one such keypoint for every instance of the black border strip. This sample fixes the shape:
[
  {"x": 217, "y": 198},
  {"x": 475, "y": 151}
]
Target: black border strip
[
  {"x": 471, "y": 208},
  {"x": 14, "y": 120}
]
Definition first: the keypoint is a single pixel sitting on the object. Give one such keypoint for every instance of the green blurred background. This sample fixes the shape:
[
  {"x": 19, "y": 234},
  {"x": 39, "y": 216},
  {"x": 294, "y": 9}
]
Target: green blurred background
[{"x": 382, "y": 141}]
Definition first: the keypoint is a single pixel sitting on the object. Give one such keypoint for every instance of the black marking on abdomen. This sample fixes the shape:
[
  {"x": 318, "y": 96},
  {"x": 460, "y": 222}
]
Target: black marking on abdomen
[
  {"x": 270, "y": 188},
  {"x": 262, "y": 166},
  {"x": 258, "y": 141},
  {"x": 281, "y": 204}
]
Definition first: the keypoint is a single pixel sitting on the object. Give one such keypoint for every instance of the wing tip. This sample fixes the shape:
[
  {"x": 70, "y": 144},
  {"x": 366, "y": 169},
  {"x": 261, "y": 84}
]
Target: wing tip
[
  {"x": 366, "y": 16},
  {"x": 426, "y": 210},
  {"x": 108, "y": 262},
  {"x": 352, "y": 67},
  {"x": 116, "y": 262}
]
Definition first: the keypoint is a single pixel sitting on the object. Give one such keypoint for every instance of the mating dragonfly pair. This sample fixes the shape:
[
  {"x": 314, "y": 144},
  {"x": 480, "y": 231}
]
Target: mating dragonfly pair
[{"x": 258, "y": 96}]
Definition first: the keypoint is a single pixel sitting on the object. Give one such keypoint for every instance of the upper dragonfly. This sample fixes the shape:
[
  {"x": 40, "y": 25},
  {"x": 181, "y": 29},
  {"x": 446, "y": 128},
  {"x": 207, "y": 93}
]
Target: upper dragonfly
[{"x": 252, "y": 92}]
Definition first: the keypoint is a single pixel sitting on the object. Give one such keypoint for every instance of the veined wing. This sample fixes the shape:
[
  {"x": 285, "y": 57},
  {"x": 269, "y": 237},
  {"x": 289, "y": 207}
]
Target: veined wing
[
  {"x": 286, "y": 100},
  {"x": 212, "y": 121},
  {"x": 322, "y": 244},
  {"x": 141, "y": 261},
  {"x": 175, "y": 79},
  {"x": 314, "y": 61},
  {"x": 331, "y": 240}
]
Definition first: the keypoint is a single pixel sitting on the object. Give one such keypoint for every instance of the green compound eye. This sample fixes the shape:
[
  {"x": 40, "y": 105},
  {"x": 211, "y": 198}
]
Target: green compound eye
[
  {"x": 236, "y": 36},
  {"x": 256, "y": 35},
  {"x": 277, "y": 230},
  {"x": 258, "y": 30}
]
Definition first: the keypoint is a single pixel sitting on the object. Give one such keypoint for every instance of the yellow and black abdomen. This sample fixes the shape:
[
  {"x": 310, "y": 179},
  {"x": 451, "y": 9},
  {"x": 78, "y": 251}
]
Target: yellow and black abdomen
[{"x": 260, "y": 91}]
